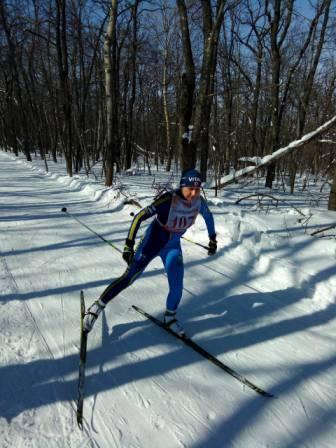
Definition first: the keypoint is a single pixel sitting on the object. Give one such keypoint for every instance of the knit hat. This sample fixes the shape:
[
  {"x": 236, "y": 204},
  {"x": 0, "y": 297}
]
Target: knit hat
[{"x": 191, "y": 178}]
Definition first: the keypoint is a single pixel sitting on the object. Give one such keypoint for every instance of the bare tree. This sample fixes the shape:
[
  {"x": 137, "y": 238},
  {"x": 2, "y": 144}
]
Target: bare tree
[
  {"x": 195, "y": 133},
  {"x": 19, "y": 135},
  {"x": 130, "y": 81},
  {"x": 111, "y": 73},
  {"x": 304, "y": 96},
  {"x": 186, "y": 100},
  {"x": 279, "y": 14},
  {"x": 256, "y": 72},
  {"x": 63, "y": 68}
]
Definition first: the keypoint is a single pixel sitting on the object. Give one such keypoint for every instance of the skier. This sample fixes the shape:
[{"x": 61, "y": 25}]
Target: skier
[{"x": 175, "y": 212}]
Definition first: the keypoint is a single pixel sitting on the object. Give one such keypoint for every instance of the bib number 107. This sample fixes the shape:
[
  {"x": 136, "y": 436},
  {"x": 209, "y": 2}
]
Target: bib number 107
[{"x": 182, "y": 222}]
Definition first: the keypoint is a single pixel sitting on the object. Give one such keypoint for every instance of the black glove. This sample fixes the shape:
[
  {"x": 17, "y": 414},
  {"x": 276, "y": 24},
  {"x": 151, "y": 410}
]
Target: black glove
[
  {"x": 128, "y": 252},
  {"x": 212, "y": 245}
]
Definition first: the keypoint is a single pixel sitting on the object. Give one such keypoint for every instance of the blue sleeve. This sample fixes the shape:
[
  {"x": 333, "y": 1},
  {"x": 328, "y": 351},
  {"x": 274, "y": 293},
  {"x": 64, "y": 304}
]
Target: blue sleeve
[{"x": 208, "y": 218}]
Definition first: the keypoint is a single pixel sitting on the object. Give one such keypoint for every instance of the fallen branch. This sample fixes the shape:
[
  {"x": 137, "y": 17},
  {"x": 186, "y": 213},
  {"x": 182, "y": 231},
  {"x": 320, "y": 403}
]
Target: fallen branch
[
  {"x": 323, "y": 230},
  {"x": 328, "y": 236},
  {"x": 258, "y": 195},
  {"x": 226, "y": 180},
  {"x": 132, "y": 201},
  {"x": 273, "y": 199}
]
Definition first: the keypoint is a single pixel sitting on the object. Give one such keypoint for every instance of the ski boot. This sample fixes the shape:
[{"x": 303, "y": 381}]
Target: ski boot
[
  {"x": 92, "y": 314},
  {"x": 173, "y": 324}
]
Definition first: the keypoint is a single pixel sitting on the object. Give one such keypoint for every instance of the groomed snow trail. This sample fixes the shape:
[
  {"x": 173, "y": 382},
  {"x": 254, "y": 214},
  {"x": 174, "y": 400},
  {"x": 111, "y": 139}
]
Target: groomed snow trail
[{"x": 251, "y": 305}]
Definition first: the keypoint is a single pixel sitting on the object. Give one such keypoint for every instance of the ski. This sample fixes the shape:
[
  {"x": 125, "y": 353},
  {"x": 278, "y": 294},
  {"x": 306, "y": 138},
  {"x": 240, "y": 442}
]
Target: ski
[
  {"x": 197, "y": 348},
  {"x": 82, "y": 361}
]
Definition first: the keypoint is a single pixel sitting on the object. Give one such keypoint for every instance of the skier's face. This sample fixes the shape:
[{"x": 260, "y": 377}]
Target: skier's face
[{"x": 190, "y": 193}]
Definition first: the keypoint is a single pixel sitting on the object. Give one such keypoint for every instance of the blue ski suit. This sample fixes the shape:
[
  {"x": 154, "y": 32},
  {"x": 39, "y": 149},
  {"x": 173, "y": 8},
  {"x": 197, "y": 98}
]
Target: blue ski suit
[{"x": 174, "y": 215}]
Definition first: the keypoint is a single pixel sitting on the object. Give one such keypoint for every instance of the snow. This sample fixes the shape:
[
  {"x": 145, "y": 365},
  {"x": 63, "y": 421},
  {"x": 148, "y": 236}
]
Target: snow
[
  {"x": 256, "y": 160},
  {"x": 265, "y": 304}
]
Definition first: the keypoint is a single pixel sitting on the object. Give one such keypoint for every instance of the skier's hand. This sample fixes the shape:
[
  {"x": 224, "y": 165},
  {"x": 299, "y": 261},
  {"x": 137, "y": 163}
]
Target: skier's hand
[
  {"x": 128, "y": 252},
  {"x": 212, "y": 245}
]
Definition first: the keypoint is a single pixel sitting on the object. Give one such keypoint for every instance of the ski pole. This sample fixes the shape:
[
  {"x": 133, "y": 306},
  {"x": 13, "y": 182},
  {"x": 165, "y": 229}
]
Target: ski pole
[
  {"x": 197, "y": 244},
  {"x": 64, "y": 209}
]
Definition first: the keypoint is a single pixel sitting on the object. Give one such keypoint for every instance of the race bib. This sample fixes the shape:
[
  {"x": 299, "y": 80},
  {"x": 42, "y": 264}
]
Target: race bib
[{"x": 182, "y": 214}]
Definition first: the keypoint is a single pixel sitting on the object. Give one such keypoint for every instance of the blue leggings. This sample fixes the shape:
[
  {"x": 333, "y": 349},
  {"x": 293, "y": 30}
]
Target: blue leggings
[{"x": 172, "y": 259}]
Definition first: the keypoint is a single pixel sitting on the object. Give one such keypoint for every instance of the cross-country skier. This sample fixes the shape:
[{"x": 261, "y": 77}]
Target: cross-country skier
[{"x": 175, "y": 212}]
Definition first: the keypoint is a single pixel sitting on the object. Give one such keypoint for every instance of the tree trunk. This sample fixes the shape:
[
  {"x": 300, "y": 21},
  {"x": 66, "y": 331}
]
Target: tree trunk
[
  {"x": 293, "y": 166},
  {"x": 129, "y": 124},
  {"x": 14, "y": 98},
  {"x": 211, "y": 29},
  {"x": 166, "y": 111},
  {"x": 110, "y": 43},
  {"x": 308, "y": 84},
  {"x": 279, "y": 25},
  {"x": 197, "y": 134},
  {"x": 186, "y": 100},
  {"x": 256, "y": 96},
  {"x": 62, "y": 53},
  {"x": 332, "y": 196}
]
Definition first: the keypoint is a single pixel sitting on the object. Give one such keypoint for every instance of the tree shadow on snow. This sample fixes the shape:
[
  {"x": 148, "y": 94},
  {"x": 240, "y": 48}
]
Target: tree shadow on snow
[
  {"x": 25, "y": 386},
  {"x": 230, "y": 429},
  {"x": 32, "y": 384}
]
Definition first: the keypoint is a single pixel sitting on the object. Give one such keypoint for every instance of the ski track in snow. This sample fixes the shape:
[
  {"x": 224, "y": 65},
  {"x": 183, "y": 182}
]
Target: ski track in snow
[
  {"x": 263, "y": 316},
  {"x": 26, "y": 432}
]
